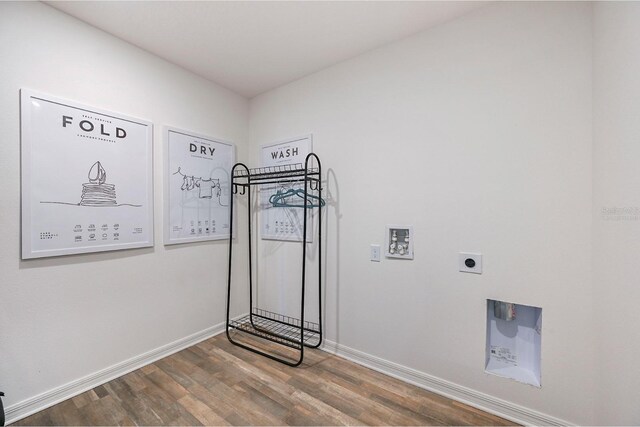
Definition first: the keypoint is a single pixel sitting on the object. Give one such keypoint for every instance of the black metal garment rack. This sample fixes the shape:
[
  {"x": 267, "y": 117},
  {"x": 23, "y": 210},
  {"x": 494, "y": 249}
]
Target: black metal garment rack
[{"x": 284, "y": 330}]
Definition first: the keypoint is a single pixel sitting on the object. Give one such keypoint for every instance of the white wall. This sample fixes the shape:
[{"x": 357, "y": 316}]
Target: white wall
[
  {"x": 477, "y": 133},
  {"x": 617, "y": 208},
  {"x": 66, "y": 317}
]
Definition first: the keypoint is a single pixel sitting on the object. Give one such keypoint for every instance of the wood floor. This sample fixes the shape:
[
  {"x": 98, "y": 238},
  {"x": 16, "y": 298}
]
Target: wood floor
[{"x": 217, "y": 383}]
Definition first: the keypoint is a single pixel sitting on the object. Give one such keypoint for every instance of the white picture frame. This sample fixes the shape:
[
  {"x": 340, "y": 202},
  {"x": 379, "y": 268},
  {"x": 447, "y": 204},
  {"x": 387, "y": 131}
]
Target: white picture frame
[
  {"x": 86, "y": 178},
  {"x": 197, "y": 179}
]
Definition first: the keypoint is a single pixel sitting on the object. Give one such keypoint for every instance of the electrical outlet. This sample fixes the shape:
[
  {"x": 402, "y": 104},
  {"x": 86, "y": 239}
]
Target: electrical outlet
[
  {"x": 470, "y": 263},
  {"x": 375, "y": 253}
]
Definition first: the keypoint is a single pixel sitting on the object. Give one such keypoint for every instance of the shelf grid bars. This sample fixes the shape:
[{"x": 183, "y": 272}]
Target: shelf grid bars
[
  {"x": 274, "y": 172},
  {"x": 276, "y": 327}
]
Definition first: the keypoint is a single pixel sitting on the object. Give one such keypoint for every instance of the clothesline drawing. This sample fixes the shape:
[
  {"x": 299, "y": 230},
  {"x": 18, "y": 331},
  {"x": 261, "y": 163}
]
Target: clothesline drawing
[
  {"x": 207, "y": 187},
  {"x": 96, "y": 193}
]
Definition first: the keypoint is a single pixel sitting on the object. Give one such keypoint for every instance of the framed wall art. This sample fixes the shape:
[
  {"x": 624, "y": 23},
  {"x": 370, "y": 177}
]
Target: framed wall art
[
  {"x": 196, "y": 187},
  {"x": 87, "y": 178}
]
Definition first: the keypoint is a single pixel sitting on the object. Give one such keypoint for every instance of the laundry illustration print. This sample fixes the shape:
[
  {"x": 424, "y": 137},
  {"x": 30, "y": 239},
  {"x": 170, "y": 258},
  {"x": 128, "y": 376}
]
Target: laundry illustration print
[
  {"x": 87, "y": 178},
  {"x": 197, "y": 187},
  {"x": 97, "y": 192}
]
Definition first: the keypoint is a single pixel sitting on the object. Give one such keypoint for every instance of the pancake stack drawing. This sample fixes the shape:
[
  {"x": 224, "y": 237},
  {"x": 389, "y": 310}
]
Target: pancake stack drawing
[{"x": 97, "y": 192}]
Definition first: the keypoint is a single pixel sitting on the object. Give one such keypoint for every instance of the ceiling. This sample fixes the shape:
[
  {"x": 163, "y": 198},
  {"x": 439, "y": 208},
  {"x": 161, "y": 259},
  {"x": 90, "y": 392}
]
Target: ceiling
[{"x": 253, "y": 46}]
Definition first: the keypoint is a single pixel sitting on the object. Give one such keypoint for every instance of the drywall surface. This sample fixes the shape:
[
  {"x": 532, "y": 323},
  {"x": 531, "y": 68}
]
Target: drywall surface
[
  {"x": 477, "y": 133},
  {"x": 67, "y": 317},
  {"x": 617, "y": 208}
]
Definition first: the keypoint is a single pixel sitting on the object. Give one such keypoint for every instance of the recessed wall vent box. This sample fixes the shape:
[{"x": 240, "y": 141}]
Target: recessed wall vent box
[
  {"x": 514, "y": 338},
  {"x": 399, "y": 241}
]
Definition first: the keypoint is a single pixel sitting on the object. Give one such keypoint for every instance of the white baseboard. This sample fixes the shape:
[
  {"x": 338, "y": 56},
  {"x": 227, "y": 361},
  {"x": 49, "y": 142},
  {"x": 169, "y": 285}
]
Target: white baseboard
[
  {"x": 49, "y": 398},
  {"x": 485, "y": 402}
]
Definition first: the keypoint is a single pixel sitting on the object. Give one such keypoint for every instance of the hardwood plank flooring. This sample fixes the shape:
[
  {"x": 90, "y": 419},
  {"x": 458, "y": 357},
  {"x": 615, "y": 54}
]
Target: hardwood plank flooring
[{"x": 217, "y": 383}]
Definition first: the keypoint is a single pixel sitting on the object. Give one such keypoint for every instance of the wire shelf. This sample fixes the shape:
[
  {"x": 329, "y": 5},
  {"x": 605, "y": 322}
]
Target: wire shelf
[
  {"x": 278, "y": 328},
  {"x": 275, "y": 172}
]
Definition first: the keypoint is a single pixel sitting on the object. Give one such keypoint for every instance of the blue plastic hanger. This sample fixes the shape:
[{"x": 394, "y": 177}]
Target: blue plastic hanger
[{"x": 279, "y": 199}]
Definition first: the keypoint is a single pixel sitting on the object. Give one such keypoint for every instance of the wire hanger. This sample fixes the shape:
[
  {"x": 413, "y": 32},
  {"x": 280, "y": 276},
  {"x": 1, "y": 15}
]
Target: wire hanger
[{"x": 281, "y": 199}]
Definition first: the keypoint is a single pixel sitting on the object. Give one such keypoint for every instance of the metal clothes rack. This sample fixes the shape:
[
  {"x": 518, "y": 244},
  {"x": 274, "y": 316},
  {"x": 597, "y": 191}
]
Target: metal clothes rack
[{"x": 287, "y": 331}]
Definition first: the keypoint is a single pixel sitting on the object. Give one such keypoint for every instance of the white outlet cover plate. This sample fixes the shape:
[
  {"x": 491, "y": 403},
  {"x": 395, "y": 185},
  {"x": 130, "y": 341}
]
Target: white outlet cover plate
[{"x": 463, "y": 256}]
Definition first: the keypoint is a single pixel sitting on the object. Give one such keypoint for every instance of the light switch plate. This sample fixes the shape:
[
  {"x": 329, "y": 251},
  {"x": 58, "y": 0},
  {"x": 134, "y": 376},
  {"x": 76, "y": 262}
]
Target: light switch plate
[
  {"x": 375, "y": 253},
  {"x": 470, "y": 262}
]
